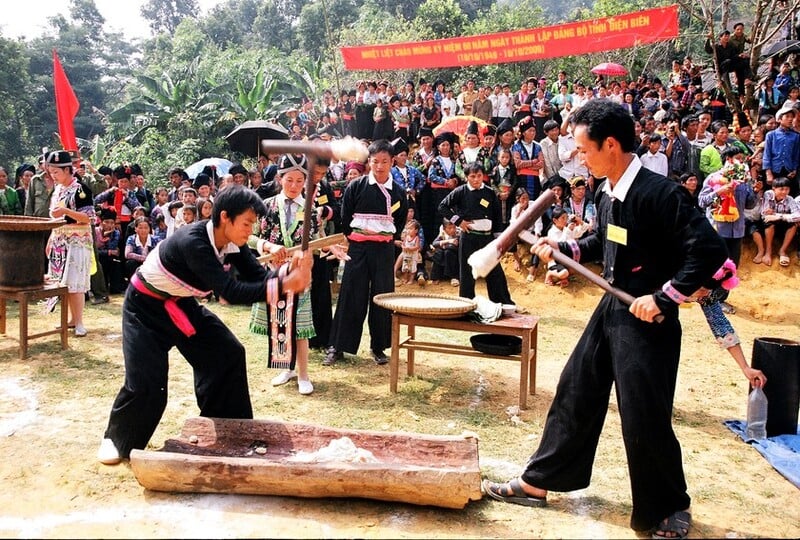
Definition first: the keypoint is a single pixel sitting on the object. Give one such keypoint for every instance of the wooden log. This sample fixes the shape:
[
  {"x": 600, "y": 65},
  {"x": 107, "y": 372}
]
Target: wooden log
[{"x": 215, "y": 455}]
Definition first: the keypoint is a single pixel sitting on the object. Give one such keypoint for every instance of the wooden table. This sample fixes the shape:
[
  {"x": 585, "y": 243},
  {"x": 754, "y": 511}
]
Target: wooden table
[
  {"x": 24, "y": 296},
  {"x": 522, "y": 326}
]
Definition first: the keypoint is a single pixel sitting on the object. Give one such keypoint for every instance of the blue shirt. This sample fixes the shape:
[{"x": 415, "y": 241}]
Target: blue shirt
[{"x": 782, "y": 150}]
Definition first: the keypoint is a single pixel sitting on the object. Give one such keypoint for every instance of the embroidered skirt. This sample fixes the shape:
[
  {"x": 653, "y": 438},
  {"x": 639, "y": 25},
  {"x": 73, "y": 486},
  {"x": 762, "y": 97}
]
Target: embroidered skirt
[
  {"x": 304, "y": 325},
  {"x": 71, "y": 257}
]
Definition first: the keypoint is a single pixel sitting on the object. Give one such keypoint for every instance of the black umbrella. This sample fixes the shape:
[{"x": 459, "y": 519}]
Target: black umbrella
[
  {"x": 784, "y": 46},
  {"x": 247, "y": 137}
]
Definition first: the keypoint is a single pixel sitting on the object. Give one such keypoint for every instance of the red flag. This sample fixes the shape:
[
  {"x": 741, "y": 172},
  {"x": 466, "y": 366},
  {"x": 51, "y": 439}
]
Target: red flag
[{"x": 67, "y": 105}]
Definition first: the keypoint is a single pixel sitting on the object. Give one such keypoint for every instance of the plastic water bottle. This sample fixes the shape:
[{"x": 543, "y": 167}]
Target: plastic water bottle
[{"x": 757, "y": 415}]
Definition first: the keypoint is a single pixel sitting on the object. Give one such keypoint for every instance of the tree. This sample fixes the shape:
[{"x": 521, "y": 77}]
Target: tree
[
  {"x": 15, "y": 107},
  {"x": 166, "y": 15},
  {"x": 231, "y": 23},
  {"x": 317, "y": 18},
  {"x": 769, "y": 17},
  {"x": 438, "y": 19}
]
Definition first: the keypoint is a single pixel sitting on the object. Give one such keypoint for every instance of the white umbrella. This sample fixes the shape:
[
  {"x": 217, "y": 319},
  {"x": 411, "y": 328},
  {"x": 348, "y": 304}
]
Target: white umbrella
[{"x": 222, "y": 165}]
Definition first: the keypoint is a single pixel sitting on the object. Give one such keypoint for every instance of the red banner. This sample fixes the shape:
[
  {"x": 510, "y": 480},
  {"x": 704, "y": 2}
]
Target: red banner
[
  {"x": 590, "y": 36},
  {"x": 67, "y": 105}
]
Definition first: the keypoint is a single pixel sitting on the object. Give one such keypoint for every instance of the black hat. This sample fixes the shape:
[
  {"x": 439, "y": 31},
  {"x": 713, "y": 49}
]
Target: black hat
[
  {"x": 399, "y": 145},
  {"x": 472, "y": 128},
  {"x": 25, "y": 167},
  {"x": 122, "y": 172},
  {"x": 210, "y": 170},
  {"x": 394, "y": 98},
  {"x": 491, "y": 129},
  {"x": 505, "y": 126},
  {"x": 425, "y": 132},
  {"x": 352, "y": 93},
  {"x": 136, "y": 170},
  {"x": 237, "y": 169},
  {"x": 742, "y": 118},
  {"x": 525, "y": 123},
  {"x": 107, "y": 213},
  {"x": 105, "y": 169},
  {"x": 447, "y": 136},
  {"x": 59, "y": 158},
  {"x": 554, "y": 181},
  {"x": 201, "y": 180},
  {"x": 290, "y": 162}
]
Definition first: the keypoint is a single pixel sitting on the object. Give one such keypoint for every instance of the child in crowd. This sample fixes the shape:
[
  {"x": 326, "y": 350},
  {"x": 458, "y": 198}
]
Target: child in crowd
[
  {"x": 189, "y": 214},
  {"x": 444, "y": 254},
  {"x": 523, "y": 200},
  {"x": 475, "y": 209},
  {"x": 139, "y": 245},
  {"x": 108, "y": 250},
  {"x": 780, "y": 213},
  {"x": 138, "y": 212},
  {"x": 160, "y": 228},
  {"x": 412, "y": 252},
  {"x": 170, "y": 217},
  {"x": 503, "y": 180},
  {"x": 560, "y": 231},
  {"x": 204, "y": 208},
  {"x": 753, "y": 223}
]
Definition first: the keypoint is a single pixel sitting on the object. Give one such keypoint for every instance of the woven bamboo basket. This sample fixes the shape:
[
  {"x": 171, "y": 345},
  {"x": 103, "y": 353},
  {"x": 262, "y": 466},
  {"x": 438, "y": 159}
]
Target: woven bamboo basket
[{"x": 434, "y": 306}]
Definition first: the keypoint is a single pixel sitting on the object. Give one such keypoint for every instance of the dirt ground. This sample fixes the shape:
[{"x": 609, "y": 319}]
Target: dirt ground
[{"x": 54, "y": 406}]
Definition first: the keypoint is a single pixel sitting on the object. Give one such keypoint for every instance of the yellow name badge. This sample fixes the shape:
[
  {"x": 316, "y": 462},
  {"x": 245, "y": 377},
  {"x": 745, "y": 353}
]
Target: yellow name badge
[
  {"x": 395, "y": 207},
  {"x": 322, "y": 199},
  {"x": 484, "y": 203},
  {"x": 617, "y": 234}
]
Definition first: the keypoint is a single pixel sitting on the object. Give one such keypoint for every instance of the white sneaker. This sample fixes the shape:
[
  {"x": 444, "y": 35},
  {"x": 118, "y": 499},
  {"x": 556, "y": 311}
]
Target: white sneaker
[
  {"x": 284, "y": 377},
  {"x": 80, "y": 331},
  {"x": 108, "y": 453},
  {"x": 305, "y": 387}
]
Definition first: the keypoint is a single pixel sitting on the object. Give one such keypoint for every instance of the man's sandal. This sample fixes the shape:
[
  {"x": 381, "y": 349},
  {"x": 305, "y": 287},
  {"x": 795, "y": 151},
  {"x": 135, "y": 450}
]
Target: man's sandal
[
  {"x": 675, "y": 526},
  {"x": 511, "y": 492}
]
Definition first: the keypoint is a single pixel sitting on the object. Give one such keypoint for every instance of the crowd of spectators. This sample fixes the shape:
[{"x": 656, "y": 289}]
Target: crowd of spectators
[{"x": 521, "y": 135}]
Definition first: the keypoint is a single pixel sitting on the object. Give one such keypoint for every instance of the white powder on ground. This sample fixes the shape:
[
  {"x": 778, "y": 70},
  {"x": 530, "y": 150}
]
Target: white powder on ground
[{"x": 341, "y": 450}]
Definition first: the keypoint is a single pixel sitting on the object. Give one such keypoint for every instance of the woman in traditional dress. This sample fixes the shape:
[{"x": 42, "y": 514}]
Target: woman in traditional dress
[
  {"x": 279, "y": 229},
  {"x": 69, "y": 248}
]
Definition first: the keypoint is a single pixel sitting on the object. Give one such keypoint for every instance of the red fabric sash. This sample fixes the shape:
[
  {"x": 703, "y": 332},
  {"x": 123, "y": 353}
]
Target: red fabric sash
[{"x": 176, "y": 314}]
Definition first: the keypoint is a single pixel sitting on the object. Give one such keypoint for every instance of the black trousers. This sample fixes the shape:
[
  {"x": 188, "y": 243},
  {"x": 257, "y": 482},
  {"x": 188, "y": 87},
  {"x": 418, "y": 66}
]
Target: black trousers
[
  {"x": 369, "y": 271},
  {"x": 641, "y": 359},
  {"x": 496, "y": 284},
  {"x": 148, "y": 334},
  {"x": 321, "y": 309}
]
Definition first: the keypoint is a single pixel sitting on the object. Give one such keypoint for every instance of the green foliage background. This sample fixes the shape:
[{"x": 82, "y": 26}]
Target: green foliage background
[{"x": 170, "y": 98}]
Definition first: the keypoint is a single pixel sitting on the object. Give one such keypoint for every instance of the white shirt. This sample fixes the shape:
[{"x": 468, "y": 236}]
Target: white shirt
[
  {"x": 569, "y": 166},
  {"x": 620, "y": 191},
  {"x": 657, "y": 162},
  {"x": 505, "y": 106}
]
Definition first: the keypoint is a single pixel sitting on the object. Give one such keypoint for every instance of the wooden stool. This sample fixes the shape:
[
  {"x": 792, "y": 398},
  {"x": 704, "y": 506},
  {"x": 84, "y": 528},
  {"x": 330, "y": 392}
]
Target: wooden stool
[{"x": 24, "y": 296}]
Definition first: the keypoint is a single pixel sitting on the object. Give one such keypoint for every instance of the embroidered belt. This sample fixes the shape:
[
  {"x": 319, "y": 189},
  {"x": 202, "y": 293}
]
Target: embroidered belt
[
  {"x": 528, "y": 172},
  {"x": 176, "y": 314}
]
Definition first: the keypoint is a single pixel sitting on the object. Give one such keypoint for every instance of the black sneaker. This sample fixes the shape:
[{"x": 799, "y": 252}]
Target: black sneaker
[
  {"x": 100, "y": 300},
  {"x": 332, "y": 356},
  {"x": 380, "y": 358}
]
